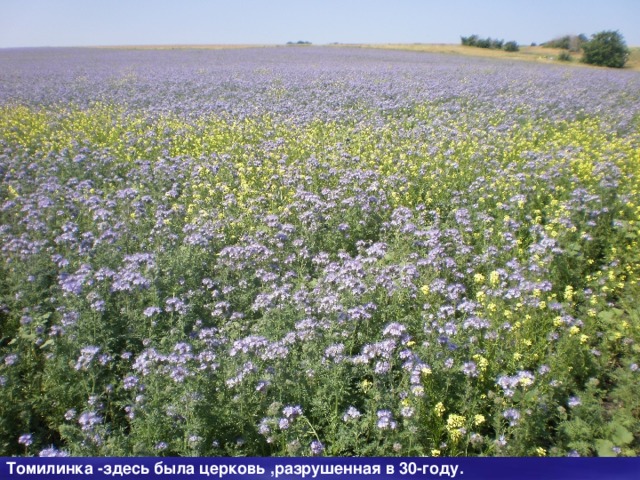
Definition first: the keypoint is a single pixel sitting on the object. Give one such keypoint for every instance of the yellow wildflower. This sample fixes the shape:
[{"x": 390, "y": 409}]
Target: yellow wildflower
[
  {"x": 568, "y": 293},
  {"x": 455, "y": 421},
  {"x": 482, "y": 362},
  {"x": 478, "y": 419}
]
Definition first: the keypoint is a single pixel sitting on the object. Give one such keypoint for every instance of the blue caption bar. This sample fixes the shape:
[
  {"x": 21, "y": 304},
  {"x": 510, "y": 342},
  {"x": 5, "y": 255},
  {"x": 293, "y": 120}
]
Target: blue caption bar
[{"x": 319, "y": 468}]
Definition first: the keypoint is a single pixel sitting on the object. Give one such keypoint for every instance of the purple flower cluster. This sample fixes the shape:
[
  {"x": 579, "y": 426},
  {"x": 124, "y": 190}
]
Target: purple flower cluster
[{"x": 211, "y": 233}]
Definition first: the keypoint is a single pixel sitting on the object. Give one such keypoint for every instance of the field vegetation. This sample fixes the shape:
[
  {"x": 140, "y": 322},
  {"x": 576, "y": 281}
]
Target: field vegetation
[
  {"x": 317, "y": 251},
  {"x": 537, "y": 53}
]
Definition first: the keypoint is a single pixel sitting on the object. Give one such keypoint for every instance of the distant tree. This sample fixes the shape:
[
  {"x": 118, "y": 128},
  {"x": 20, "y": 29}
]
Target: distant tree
[
  {"x": 470, "y": 41},
  {"x": 607, "y": 49},
  {"x": 573, "y": 43},
  {"x": 559, "y": 42},
  {"x": 511, "y": 47},
  {"x": 484, "y": 42},
  {"x": 476, "y": 41},
  {"x": 576, "y": 42}
]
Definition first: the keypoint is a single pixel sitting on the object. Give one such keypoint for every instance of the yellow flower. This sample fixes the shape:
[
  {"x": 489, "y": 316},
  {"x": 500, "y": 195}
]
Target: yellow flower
[
  {"x": 478, "y": 278},
  {"x": 455, "y": 421},
  {"x": 435, "y": 453},
  {"x": 482, "y": 362},
  {"x": 584, "y": 338},
  {"x": 425, "y": 289},
  {"x": 568, "y": 293},
  {"x": 541, "y": 452},
  {"x": 478, "y": 419},
  {"x": 574, "y": 330},
  {"x": 439, "y": 409},
  {"x": 525, "y": 381},
  {"x": 494, "y": 278}
]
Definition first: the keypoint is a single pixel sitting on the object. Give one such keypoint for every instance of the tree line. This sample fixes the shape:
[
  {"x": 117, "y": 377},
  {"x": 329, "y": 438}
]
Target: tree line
[
  {"x": 607, "y": 48},
  {"x": 476, "y": 41}
]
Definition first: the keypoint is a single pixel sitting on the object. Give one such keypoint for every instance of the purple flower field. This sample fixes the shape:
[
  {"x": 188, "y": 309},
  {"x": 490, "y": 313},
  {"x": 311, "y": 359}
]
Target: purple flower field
[{"x": 317, "y": 251}]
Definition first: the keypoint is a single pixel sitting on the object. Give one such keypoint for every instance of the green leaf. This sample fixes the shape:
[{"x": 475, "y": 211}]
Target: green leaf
[
  {"x": 606, "y": 315},
  {"x": 605, "y": 448},
  {"x": 47, "y": 343},
  {"x": 622, "y": 436}
]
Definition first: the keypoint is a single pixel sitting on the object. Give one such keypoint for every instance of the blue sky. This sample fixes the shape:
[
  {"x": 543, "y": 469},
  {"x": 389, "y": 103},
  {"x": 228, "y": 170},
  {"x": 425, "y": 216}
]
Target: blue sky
[{"x": 25, "y": 23}]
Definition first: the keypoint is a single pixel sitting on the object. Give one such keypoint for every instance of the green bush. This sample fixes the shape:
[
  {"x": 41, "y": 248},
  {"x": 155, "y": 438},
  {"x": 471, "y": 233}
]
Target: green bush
[
  {"x": 476, "y": 41},
  {"x": 573, "y": 43},
  {"x": 607, "y": 49},
  {"x": 565, "y": 57},
  {"x": 484, "y": 43},
  {"x": 469, "y": 41},
  {"x": 511, "y": 47}
]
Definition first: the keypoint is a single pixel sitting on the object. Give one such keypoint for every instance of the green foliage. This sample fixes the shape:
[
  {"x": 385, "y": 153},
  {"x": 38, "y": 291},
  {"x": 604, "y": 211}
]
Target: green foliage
[
  {"x": 492, "y": 43},
  {"x": 511, "y": 47},
  {"x": 577, "y": 389},
  {"x": 470, "y": 41},
  {"x": 606, "y": 49},
  {"x": 572, "y": 43},
  {"x": 565, "y": 57}
]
